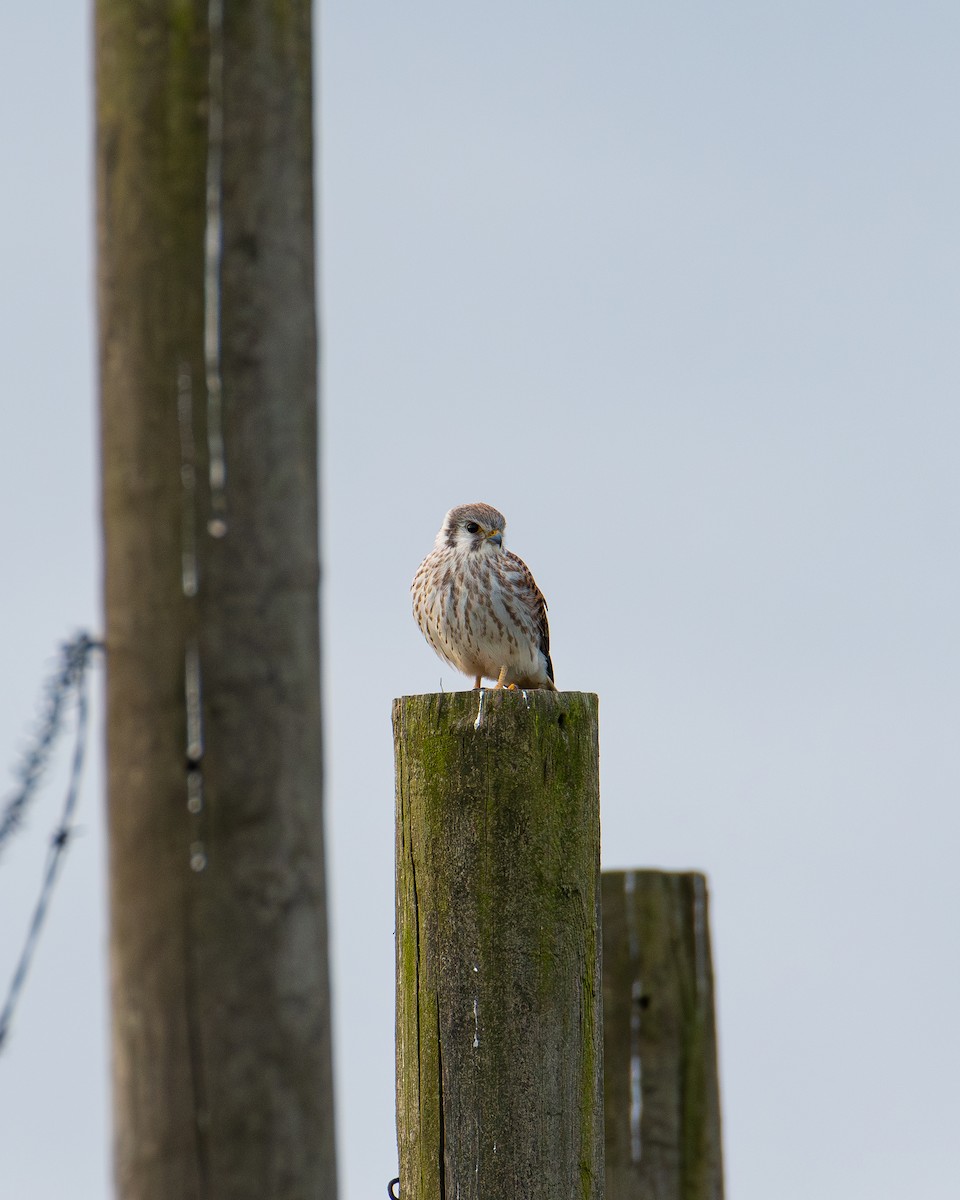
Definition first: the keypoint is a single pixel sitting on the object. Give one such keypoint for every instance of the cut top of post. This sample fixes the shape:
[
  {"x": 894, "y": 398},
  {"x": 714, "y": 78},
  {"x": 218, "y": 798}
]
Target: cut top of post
[{"x": 488, "y": 708}]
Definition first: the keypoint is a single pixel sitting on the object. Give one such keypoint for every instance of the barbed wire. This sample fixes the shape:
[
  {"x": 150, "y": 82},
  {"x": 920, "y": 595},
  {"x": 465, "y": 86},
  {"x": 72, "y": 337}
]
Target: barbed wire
[
  {"x": 74, "y": 656},
  {"x": 70, "y": 679}
]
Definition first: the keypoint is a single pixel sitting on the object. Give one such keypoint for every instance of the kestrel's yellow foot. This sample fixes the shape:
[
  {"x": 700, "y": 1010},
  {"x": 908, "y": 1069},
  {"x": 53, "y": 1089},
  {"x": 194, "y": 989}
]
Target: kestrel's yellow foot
[
  {"x": 500, "y": 678},
  {"x": 478, "y": 683}
]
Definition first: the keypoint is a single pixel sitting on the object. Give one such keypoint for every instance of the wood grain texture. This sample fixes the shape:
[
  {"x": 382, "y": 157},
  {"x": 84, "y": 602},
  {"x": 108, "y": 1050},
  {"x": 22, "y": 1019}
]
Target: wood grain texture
[
  {"x": 499, "y": 1040},
  {"x": 220, "y": 991},
  {"x": 661, "y": 1087}
]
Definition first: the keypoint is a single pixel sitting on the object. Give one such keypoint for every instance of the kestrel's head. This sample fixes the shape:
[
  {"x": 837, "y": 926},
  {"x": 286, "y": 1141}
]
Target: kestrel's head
[{"x": 472, "y": 528}]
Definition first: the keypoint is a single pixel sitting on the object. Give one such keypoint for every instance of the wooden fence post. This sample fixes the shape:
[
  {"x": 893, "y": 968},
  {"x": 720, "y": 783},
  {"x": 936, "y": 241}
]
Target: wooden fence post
[
  {"x": 499, "y": 1039},
  {"x": 661, "y": 1087}
]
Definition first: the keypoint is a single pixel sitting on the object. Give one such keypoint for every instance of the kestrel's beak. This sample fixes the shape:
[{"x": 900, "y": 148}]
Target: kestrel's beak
[{"x": 495, "y": 536}]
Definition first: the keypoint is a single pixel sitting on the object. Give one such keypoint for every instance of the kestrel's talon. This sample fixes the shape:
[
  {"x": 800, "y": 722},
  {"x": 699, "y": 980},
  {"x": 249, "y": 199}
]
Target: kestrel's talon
[{"x": 479, "y": 606}]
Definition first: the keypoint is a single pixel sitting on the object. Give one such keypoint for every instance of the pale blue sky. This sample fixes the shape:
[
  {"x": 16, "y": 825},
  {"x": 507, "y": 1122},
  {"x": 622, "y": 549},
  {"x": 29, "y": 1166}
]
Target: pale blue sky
[{"x": 676, "y": 288}]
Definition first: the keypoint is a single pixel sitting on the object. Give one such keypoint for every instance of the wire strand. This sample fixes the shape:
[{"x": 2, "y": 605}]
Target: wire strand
[{"x": 71, "y": 678}]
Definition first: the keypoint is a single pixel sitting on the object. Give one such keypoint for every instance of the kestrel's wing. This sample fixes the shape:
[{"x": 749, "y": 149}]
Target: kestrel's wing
[{"x": 537, "y": 605}]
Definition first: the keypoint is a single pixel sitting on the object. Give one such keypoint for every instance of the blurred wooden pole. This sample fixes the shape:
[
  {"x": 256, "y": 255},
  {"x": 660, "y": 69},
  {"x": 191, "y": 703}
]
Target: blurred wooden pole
[
  {"x": 661, "y": 1087},
  {"x": 499, "y": 1040},
  {"x": 221, "y": 1021}
]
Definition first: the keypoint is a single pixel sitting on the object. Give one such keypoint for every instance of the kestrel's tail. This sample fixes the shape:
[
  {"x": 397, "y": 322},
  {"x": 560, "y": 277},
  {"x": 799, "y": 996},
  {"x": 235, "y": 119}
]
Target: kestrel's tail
[{"x": 543, "y": 682}]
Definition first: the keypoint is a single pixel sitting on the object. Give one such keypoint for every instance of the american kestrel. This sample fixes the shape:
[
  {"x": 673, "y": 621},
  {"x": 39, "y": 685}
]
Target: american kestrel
[{"x": 478, "y": 605}]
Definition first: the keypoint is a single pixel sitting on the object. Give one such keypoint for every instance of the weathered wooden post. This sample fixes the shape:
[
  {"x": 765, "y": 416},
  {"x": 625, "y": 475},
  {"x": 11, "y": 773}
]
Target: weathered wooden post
[
  {"x": 499, "y": 1039},
  {"x": 661, "y": 1088},
  {"x": 208, "y": 371}
]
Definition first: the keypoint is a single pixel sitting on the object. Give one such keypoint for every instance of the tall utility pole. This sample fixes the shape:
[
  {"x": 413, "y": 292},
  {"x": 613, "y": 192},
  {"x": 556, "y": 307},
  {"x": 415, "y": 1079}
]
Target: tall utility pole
[
  {"x": 499, "y": 1039},
  {"x": 220, "y": 992}
]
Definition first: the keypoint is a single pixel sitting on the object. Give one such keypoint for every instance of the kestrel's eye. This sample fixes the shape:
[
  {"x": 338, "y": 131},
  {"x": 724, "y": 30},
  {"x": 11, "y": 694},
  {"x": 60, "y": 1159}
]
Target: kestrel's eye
[{"x": 473, "y": 527}]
